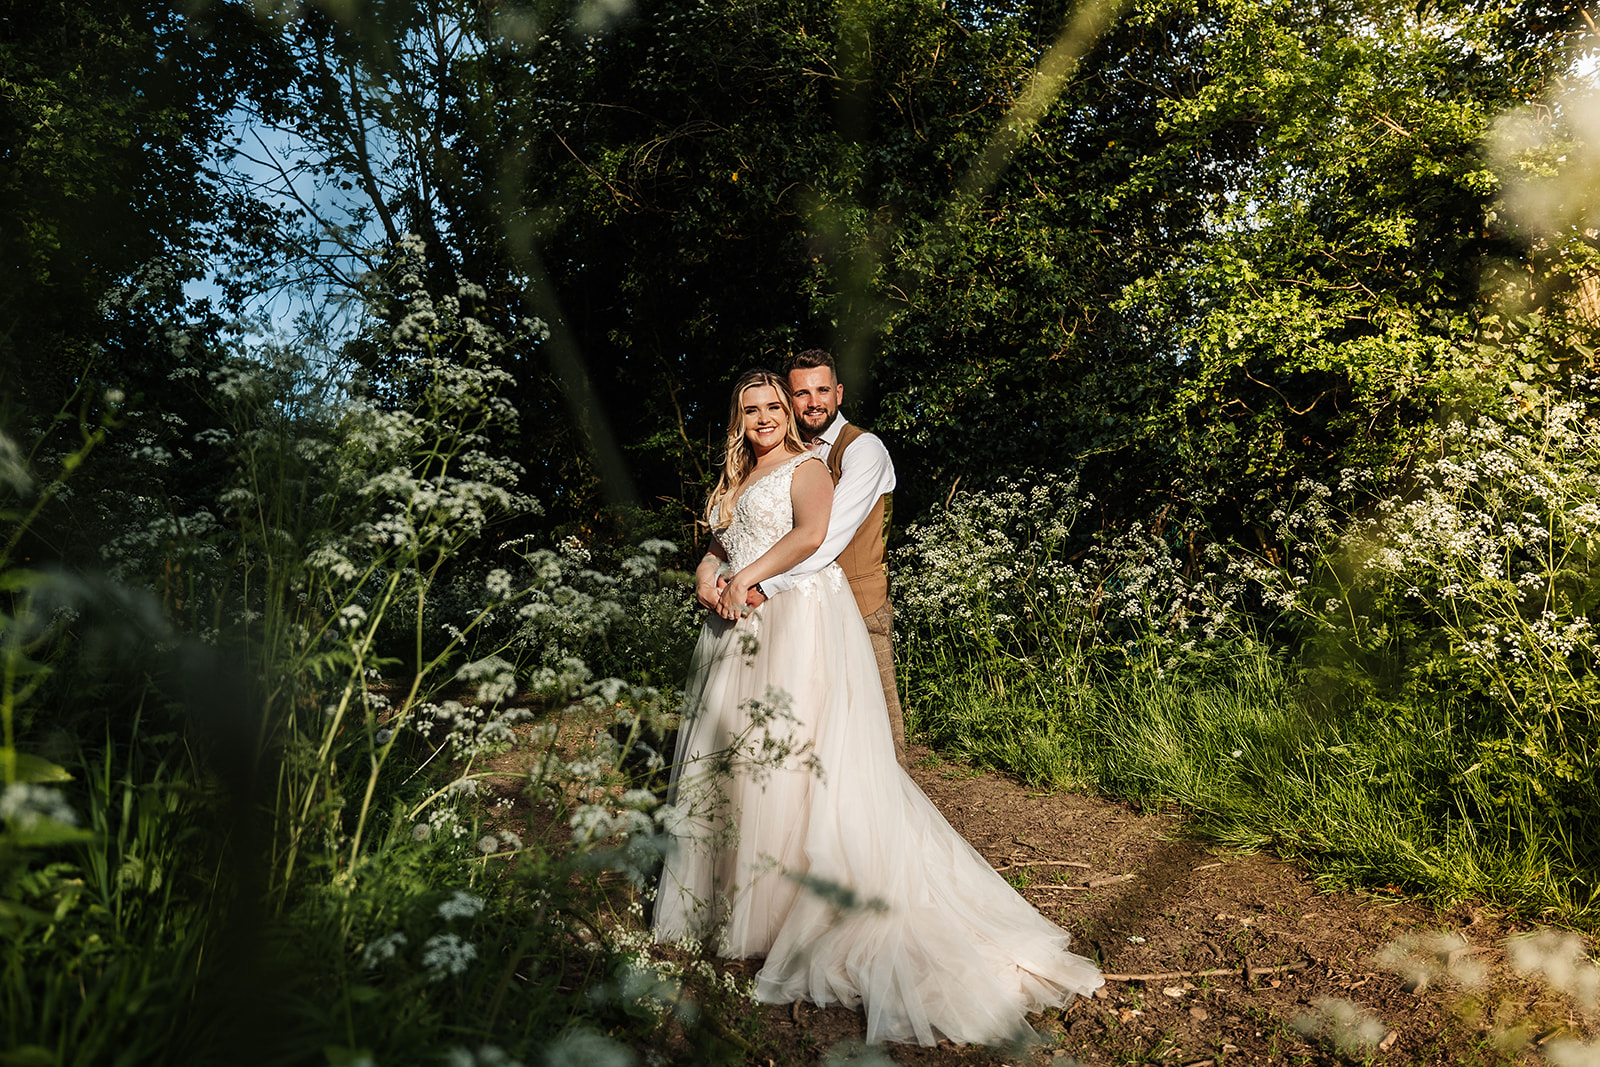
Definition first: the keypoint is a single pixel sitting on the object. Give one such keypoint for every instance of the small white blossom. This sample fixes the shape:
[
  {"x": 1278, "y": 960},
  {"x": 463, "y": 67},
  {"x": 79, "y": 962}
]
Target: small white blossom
[
  {"x": 585, "y": 1048},
  {"x": 447, "y": 955},
  {"x": 382, "y": 950},
  {"x": 461, "y": 905},
  {"x": 25, "y": 806},
  {"x": 498, "y": 584}
]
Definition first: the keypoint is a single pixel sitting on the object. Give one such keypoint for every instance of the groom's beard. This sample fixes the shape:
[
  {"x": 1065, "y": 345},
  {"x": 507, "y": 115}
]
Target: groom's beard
[{"x": 808, "y": 432}]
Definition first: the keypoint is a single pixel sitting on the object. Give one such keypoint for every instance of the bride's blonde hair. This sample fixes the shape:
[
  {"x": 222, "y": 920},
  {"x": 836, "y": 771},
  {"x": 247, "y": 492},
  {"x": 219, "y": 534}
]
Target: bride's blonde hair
[{"x": 738, "y": 457}]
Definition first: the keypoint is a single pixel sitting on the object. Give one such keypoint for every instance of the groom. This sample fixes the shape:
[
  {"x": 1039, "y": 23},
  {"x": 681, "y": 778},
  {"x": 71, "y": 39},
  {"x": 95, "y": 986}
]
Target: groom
[{"x": 863, "y": 480}]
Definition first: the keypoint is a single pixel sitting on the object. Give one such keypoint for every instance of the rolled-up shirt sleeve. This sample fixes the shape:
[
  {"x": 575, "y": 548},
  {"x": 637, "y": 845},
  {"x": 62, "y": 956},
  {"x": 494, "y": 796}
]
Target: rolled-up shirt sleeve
[{"x": 865, "y": 474}]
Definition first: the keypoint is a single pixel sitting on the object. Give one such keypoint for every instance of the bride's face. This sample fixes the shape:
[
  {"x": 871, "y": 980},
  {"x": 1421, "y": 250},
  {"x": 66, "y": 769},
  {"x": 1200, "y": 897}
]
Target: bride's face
[{"x": 764, "y": 418}]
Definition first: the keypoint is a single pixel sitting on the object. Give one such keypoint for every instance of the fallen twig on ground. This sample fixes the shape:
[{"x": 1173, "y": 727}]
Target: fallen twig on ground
[{"x": 1247, "y": 971}]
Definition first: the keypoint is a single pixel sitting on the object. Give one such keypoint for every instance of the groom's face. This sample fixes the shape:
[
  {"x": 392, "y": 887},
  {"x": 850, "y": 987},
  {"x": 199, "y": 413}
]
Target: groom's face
[{"x": 816, "y": 398}]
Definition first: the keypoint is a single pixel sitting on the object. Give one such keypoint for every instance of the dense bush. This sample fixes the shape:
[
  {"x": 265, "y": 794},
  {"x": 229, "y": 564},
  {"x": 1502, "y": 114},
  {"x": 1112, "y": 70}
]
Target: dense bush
[
  {"x": 349, "y": 796},
  {"x": 1404, "y": 694}
]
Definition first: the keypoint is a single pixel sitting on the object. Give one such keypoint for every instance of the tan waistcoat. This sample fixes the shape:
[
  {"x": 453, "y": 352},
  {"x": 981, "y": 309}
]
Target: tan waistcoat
[{"x": 862, "y": 558}]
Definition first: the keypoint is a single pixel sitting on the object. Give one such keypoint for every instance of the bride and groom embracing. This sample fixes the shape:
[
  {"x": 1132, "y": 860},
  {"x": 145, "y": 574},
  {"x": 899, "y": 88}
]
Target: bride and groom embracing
[{"x": 800, "y": 837}]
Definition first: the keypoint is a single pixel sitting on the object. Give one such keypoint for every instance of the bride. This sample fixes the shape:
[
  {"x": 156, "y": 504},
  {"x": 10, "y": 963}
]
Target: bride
[{"x": 800, "y": 838}]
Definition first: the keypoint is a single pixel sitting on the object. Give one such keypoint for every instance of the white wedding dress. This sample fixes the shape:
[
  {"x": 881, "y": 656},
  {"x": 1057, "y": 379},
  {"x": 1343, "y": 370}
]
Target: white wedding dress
[{"x": 801, "y": 839}]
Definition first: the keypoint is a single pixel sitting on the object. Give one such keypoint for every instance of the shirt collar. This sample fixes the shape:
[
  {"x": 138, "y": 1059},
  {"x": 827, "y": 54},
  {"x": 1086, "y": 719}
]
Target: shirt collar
[{"x": 831, "y": 434}]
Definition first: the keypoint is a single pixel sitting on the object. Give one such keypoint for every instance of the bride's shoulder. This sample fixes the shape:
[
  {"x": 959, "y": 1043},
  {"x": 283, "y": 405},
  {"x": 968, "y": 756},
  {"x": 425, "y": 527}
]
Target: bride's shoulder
[
  {"x": 798, "y": 463},
  {"x": 804, "y": 475},
  {"x": 791, "y": 463}
]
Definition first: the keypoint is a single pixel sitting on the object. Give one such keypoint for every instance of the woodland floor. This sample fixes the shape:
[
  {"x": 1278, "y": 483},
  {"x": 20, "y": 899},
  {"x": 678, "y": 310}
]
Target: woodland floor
[{"x": 1155, "y": 908}]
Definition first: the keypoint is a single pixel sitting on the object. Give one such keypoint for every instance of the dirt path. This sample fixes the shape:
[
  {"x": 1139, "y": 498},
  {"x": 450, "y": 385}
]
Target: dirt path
[
  {"x": 1212, "y": 958},
  {"x": 1144, "y": 901}
]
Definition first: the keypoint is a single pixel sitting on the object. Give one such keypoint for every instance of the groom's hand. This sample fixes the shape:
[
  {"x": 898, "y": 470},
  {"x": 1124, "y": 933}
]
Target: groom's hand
[{"x": 756, "y": 597}]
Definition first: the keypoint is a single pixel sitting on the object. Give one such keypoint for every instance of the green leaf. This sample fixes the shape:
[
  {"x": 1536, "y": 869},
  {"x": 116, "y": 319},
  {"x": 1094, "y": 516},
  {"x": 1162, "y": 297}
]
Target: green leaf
[
  {"x": 19, "y": 578},
  {"x": 47, "y": 833},
  {"x": 34, "y": 769},
  {"x": 13, "y": 915}
]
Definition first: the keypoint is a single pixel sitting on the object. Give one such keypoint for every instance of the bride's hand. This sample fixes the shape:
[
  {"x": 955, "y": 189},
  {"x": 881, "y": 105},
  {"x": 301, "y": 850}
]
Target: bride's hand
[
  {"x": 731, "y": 602},
  {"x": 706, "y": 591}
]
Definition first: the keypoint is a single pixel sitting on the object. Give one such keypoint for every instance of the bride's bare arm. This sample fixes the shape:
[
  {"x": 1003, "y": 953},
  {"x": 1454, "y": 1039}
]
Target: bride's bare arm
[{"x": 811, "y": 494}]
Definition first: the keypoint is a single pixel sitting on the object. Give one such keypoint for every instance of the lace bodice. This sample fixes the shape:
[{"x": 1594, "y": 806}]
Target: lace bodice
[{"x": 762, "y": 515}]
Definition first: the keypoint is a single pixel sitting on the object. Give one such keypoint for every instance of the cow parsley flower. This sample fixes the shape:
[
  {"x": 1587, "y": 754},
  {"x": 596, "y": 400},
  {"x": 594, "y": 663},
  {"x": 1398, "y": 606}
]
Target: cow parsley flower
[
  {"x": 382, "y": 950},
  {"x": 25, "y": 806},
  {"x": 447, "y": 955},
  {"x": 461, "y": 905}
]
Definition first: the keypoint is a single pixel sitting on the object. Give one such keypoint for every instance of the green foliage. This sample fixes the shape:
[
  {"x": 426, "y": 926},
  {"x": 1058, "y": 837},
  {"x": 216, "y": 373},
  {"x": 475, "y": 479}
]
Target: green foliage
[
  {"x": 1320, "y": 314},
  {"x": 1474, "y": 592},
  {"x": 996, "y": 579},
  {"x": 278, "y": 850},
  {"x": 1427, "y": 719},
  {"x": 106, "y": 915},
  {"x": 1245, "y": 285},
  {"x": 1229, "y": 237},
  {"x": 1378, "y": 797},
  {"x": 110, "y": 111}
]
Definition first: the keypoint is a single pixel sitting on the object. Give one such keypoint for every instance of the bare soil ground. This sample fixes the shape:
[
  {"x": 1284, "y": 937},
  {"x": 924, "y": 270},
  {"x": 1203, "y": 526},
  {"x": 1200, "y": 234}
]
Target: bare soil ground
[
  {"x": 1162, "y": 913},
  {"x": 1211, "y": 957}
]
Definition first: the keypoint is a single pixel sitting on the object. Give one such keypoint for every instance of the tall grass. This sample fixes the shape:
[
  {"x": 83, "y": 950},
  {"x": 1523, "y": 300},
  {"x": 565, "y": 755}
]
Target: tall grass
[
  {"x": 1367, "y": 799},
  {"x": 304, "y": 783},
  {"x": 1407, "y": 702}
]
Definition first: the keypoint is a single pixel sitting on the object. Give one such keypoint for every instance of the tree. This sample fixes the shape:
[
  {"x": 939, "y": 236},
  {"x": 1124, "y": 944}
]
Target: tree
[
  {"x": 110, "y": 113},
  {"x": 1230, "y": 246}
]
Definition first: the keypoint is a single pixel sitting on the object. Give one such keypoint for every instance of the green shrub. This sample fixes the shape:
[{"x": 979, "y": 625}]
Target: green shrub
[
  {"x": 1406, "y": 696},
  {"x": 278, "y": 841}
]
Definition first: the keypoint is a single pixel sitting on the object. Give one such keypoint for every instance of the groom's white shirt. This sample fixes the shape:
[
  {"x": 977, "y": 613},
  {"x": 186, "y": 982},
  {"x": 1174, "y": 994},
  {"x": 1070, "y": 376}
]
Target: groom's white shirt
[{"x": 866, "y": 474}]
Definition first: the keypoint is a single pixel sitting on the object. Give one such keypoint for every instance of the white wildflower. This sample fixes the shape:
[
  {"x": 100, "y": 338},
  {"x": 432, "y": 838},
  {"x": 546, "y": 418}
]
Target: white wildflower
[
  {"x": 1351, "y": 1029},
  {"x": 446, "y": 955},
  {"x": 591, "y": 822},
  {"x": 585, "y": 1048},
  {"x": 1561, "y": 960},
  {"x": 25, "y": 806},
  {"x": 13, "y": 468},
  {"x": 461, "y": 905},
  {"x": 499, "y": 584},
  {"x": 382, "y": 950}
]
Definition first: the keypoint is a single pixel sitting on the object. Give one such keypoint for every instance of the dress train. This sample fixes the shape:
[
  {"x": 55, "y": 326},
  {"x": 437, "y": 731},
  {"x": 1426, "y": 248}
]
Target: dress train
[{"x": 801, "y": 839}]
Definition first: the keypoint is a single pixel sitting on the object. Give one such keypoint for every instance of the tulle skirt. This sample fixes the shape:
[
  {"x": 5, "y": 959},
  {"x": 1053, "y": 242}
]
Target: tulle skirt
[{"x": 800, "y": 839}]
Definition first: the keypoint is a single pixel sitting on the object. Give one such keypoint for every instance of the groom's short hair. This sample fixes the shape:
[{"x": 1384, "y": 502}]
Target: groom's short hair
[{"x": 811, "y": 357}]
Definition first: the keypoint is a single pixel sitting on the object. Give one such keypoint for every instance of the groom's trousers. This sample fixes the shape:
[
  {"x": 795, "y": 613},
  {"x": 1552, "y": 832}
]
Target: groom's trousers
[{"x": 880, "y": 627}]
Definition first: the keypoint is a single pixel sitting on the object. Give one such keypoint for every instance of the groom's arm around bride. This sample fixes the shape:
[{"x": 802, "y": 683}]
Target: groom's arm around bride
[{"x": 864, "y": 482}]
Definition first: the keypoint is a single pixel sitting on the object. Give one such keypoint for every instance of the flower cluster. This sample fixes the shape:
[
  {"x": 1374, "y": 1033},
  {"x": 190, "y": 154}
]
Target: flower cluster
[
  {"x": 25, "y": 806},
  {"x": 632, "y": 615},
  {"x": 1350, "y": 1029},
  {"x": 999, "y": 567},
  {"x": 1472, "y": 586}
]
